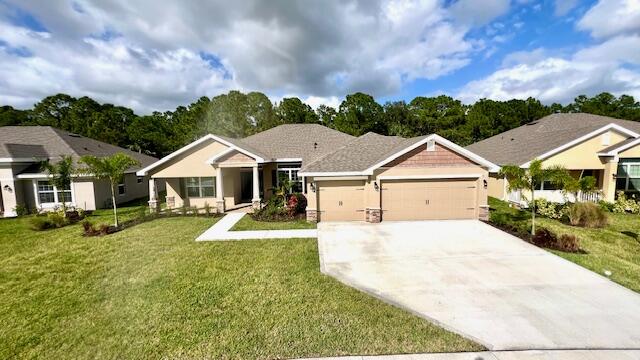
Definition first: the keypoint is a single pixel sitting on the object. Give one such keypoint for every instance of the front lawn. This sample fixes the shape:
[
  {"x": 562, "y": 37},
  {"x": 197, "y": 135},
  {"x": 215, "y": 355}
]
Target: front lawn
[
  {"x": 615, "y": 248},
  {"x": 248, "y": 223},
  {"x": 151, "y": 291}
]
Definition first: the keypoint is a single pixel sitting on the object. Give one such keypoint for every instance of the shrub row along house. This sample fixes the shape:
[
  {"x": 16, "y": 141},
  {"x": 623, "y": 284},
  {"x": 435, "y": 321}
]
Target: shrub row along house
[
  {"x": 345, "y": 178},
  {"x": 24, "y": 184},
  {"x": 587, "y": 145}
]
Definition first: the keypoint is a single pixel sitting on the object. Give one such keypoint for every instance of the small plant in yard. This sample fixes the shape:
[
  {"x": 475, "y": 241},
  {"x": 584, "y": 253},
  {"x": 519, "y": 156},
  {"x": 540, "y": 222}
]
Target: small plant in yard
[
  {"x": 60, "y": 174},
  {"x": 207, "y": 209},
  {"x": 55, "y": 219},
  {"x": 623, "y": 204},
  {"x": 530, "y": 178},
  {"x": 551, "y": 210},
  {"x": 21, "y": 210},
  {"x": 111, "y": 168},
  {"x": 565, "y": 242},
  {"x": 587, "y": 214}
]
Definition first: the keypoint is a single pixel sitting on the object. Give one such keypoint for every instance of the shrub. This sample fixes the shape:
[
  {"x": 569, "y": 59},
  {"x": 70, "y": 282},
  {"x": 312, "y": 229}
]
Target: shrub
[
  {"x": 21, "y": 210},
  {"x": 551, "y": 210},
  {"x": 296, "y": 204},
  {"x": 565, "y": 242},
  {"x": 503, "y": 221},
  {"x": 606, "y": 206},
  {"x": 58, "y": 219},
  {"x": 624, "y": 204},
  {"x": 587, "y": 215},
  {"x": 207, "y": 209},
  {"x": 41, "y": 223},
  {"x": 184, "y": 209}
]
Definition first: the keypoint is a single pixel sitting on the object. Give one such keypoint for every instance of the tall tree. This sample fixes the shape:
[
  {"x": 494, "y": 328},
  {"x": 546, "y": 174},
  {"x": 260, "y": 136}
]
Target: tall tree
[
  {"x": 326, "y": 115},
  {"x": 294, "y": 111},
  {"x": 52, "y": 110},
  {"x": 109, "y": 168},
  {"x": 358, "y": 114}
]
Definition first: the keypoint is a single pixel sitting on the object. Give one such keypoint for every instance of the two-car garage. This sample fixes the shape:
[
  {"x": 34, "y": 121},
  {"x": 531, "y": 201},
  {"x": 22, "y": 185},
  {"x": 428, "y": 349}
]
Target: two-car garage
[{"x": 399, "y": 200}]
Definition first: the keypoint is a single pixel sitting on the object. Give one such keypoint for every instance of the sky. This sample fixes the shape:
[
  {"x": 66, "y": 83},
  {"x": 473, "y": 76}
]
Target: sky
[{"x": 154, "y": 55}]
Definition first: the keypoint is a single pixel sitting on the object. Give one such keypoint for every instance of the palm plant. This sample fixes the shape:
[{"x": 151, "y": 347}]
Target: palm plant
[
  {"x": 586, "y": 185},
  {"x": 530, "y": 178},
  {"x": 60, "y": 174},
  {"x": 111, "y": 168},
  {"x": 281, "y": 191}
]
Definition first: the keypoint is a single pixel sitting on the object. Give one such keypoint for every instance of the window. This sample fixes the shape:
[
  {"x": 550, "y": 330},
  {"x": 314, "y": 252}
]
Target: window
[
  {"x": 547, "y": 185},
  {"x": 122, "y": 189},
  {"x": 50, "y": 194},
  {"x": 290, "y": 172},
  {"x": 628, "y": 177},
  {"x": 200, "y": 186},
  {"x": 139, "y": 179}
]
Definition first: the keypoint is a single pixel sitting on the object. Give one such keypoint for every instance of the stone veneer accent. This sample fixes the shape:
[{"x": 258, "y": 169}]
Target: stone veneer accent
[
  {"x": 373, "y": 215},
  {"x": 312, "y": 215},
  {"x": 440, "y": 157},
  {"x": 220, "y": 206},
  {"x": 484, "y": 213}
]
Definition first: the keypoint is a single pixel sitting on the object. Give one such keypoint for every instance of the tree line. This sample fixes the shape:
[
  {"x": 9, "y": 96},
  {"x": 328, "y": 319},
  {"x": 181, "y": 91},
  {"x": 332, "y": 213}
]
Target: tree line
[{"x": 237, "y": 114}]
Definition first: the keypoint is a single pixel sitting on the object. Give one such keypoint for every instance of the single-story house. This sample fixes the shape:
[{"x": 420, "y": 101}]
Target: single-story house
[
  {"x": 585, "y": 144},
  {"x": 22, "y": 182},
  {"x": 345, "y": 178}
]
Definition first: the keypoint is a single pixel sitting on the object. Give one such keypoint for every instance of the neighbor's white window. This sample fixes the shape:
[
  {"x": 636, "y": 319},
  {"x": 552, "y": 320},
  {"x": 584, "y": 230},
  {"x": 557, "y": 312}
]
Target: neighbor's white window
[
  {"x": 50, "y": 194},
  {"x": 628, "y": 177},
  {"x": 200, "y": 186}
]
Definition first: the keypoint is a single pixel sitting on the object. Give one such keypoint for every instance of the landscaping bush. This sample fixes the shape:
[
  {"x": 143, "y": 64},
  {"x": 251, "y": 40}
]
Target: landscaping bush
[
  {"x": 296, "y": 204},
  {"x": 21, "y": 210},
  {"x": 606, "y": 206},
  {"x": 587, "y": 214},
  {"x": 505, "y": 222},
  {"x": 565, "y": 242},
  {"x": 623, "y": 204},
  {"x": 551, "y": 210},
  {"x": 40, "y": 223}
]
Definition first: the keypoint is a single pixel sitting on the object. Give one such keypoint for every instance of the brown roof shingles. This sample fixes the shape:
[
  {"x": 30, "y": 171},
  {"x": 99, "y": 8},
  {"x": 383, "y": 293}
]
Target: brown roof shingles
[
  {"x": 38, "y": 142},
  {"x": 524, "y": 143}
]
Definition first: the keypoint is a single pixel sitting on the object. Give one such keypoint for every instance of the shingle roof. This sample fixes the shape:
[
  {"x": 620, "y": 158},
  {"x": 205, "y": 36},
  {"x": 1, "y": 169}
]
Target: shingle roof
[
  {"x": 38, "y": 142},
  {"x": 524, "y": 143},
  {"x": 306, "y": 141},
  {"x": 360, "y": 153}
]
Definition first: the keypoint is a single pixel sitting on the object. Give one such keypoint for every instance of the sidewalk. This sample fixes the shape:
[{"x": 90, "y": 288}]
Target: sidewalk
[
  {"x": 507, "y": 355},
  {"x": 220, "y": 231}
]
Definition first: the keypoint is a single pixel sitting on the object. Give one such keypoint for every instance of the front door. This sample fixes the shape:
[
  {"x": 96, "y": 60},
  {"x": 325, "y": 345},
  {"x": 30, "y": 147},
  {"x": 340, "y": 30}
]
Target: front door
[{"x": 246, "y": 186}]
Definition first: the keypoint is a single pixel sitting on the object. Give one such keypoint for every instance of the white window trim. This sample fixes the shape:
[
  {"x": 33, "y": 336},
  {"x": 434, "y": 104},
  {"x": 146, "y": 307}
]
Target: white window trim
[
  {"x": 34, "y": 183},
  {"x": 200, "y": 196},
  {"x": 289, "y": 170},
  {"x": 628, "y": 177}
]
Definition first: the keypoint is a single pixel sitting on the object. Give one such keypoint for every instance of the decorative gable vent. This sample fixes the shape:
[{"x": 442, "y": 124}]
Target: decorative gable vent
[
  {"x": 606, "y": 139},
  {"x": 431, "y": 145}
]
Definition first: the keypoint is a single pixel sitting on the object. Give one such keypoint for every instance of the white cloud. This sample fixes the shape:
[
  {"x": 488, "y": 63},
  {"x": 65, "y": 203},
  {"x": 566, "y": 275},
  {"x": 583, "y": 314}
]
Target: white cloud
[
  {"x": 611, "y": 66},
  {"x": 313, "y": 49},
  {"x": 468, "y": 12},
  {"x": 611, "y": 17},
  {"x": 316, "y": 101},
  {"x": 562, "y": 7}
]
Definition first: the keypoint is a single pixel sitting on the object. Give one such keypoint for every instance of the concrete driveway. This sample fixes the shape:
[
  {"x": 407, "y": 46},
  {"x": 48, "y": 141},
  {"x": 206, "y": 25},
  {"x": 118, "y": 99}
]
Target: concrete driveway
[{"x": 482, "y": 283}]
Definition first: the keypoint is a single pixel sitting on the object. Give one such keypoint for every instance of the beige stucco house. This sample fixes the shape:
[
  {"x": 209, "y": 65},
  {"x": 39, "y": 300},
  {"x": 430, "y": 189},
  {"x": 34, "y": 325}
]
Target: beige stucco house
[
  {"x": 23, "y": 148},
  {"x": 345, "y": 178},
  {"x": 587, "y": 145}
]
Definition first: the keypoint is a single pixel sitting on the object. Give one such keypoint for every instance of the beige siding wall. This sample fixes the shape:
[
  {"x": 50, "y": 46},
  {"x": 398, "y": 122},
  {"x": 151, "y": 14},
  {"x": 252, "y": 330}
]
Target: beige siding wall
[
  {"x": 193, "y": 163},
  {"x": 497, "y": 187},
  {"x": 584, "y": 155},
  {"x": 633, "y": 152}
]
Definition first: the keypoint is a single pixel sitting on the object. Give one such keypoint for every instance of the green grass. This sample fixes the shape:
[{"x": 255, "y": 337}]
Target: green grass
[
  {"x": 151, "y": 291},
  {"x": 248, "y": 223},
  {"x": 615, "y": 248}
]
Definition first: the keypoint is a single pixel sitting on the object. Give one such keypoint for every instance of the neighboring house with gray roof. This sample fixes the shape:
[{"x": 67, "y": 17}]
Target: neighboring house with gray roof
[
  {"x": 22, "y": 182},
  {"x": 345, "y": 178},
  {"x": 587, "y": 145}
]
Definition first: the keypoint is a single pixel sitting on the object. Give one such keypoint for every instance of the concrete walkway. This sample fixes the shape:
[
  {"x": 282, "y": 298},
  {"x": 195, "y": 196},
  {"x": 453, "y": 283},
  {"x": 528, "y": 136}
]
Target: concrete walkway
[
  {"x": 220, "y": 231},
  {"x": 482, "y": 283},
  {"x": 508, "y": 355}
]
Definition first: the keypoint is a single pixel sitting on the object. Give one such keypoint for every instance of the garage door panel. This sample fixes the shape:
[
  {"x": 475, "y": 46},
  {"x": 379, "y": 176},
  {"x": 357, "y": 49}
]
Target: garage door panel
[
  {"x": 341, "y": 201},
  {"x": 429, "y": 200}
]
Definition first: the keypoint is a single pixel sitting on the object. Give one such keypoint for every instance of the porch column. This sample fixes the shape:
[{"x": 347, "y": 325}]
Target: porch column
[
  {"x": 154, "y": 204},
  {"x": 609, "y": 180},
  {"x": 255, "y": 201},
  {"x": 219, "y": 191}
]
